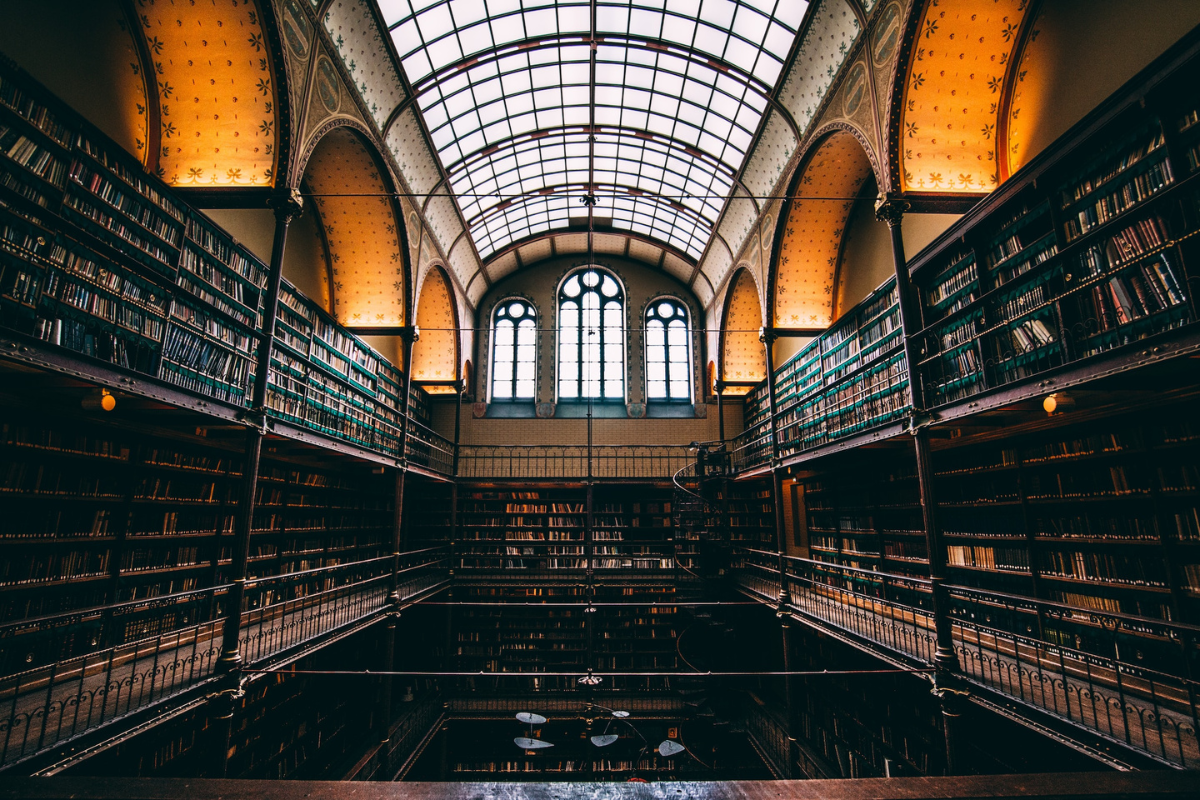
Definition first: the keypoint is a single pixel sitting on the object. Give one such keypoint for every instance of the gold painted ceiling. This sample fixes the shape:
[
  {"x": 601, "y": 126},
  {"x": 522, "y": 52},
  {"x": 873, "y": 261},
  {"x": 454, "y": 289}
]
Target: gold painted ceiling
[
  {"x": 953, "y": 94},
  {"x": 434, "y": 353},
  {"x": 216, "y": 92},
  {"x": 812, "y": 238},
  {"x": 744, "y": 357},
  {"x": 360, "y": 229}
]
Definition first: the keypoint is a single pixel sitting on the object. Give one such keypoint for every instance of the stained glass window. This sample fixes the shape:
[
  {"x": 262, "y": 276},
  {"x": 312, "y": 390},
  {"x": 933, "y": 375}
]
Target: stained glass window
[
  {"x": 514, "y": 351},
  {"x": 591, "y": 337},
  {"x": 668, "y": 351}
]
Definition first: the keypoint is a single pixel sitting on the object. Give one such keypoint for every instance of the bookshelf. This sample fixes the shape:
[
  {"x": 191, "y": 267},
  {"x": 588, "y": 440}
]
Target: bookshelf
[
  {"x": 540, "y": 530},
  {"x": 850, "y": 379},
  {"x": 1085, "y": 252},
  {"x": 101, "y": 258},
  {"x": 750, "y": 513},
  {"x": 1099, "y": 514}
]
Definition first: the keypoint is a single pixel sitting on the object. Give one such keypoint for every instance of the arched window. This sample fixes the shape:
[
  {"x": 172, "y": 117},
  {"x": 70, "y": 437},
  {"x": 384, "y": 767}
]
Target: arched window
[
  {"x": 668, "y": 356},
  {"x": 591, "y": 337},
  {"x": 514, "y": 351}
]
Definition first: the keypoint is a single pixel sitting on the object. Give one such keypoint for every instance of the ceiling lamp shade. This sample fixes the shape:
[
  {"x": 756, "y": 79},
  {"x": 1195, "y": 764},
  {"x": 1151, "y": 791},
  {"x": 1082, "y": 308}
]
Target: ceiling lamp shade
[
  {"x": 669, "y": 748},
  {"x": 530, "y": 718},
  {"x": 531, "y": 744},
  {"x": 604, "y": 740}
]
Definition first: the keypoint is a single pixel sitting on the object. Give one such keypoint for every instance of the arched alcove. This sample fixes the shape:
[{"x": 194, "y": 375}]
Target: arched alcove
[
  {"x": 950, "y": 103},
  {"x": 218, "y": 94},
  {"x": 435, "y": 355},
  {"x": 743, "y": 357},
  {"x": 352, "y": 196},
  {"x": 812, "y": 231}
]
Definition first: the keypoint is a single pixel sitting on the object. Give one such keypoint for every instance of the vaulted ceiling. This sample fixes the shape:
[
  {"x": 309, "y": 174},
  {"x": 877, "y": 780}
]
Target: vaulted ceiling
[
  {"x": 215, "y": 93},
  {"x": 532, "y": 106}
]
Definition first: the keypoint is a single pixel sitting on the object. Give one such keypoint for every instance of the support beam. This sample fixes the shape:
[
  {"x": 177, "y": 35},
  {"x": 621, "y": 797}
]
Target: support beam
[
  {"x": 947, "y": 685},
  {"x": 768, "y": 336},
  {"x": 287, "y": 207}
]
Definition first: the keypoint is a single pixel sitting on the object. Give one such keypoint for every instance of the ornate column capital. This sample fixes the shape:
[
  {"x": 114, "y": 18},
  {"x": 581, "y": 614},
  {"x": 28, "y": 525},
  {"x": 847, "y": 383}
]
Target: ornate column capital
[
  {"x": 890, "y": 209},
  {"x": 767, "y": 336},
  {"x": 287, "y": 205},
  {"x": 410, "y": 334}
]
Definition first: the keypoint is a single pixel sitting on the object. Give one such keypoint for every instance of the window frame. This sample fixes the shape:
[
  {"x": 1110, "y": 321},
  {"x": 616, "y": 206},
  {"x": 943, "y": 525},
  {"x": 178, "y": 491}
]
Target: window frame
[
  {"x": 688, "y": 367},
  {"x": 531, "y": 313},
  {"x": 561, "y": 298}
]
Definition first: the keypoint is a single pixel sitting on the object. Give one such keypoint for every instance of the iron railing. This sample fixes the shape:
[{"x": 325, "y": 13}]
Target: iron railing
[
  {"x": 571, "y": 461},
  {"x": 428, "y": 449},
  {"x": 1129, "y": 679},
  {"x": 519, "y": 560},
  {"x": 47, "y": 704}
]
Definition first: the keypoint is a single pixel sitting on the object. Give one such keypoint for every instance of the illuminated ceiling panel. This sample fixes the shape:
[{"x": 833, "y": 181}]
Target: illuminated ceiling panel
[
  {"x": 744, "y": 357},
  {"x": 216, "y": 93},
  {"x": 511, "y": 89},
  {"x": 812, "y": 239},
  {"x": 953, "y": 93}
]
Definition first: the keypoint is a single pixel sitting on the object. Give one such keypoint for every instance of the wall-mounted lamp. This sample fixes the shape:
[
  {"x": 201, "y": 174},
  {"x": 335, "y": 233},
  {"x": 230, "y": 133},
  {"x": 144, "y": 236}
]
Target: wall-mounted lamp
[
  {"x": 1058, "y": 402},
  {"x": 103, "y": 400}
]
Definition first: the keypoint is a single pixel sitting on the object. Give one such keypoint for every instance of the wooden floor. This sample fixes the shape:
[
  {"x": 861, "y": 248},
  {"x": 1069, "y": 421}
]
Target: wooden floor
[{"x": 1094, "y": 786}]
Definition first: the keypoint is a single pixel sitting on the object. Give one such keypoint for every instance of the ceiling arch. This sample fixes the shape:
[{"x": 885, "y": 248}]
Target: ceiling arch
[
  {"x": 673, "y": 98},
  {"x": 435, "y": 355},
  {"x": 363, "y": 232},
  {"x": 812, "y": 228},
  {"x": 743, "y": 356},
  {"x": 217, "y": 92},
  {"x": 950, "y": 138}
]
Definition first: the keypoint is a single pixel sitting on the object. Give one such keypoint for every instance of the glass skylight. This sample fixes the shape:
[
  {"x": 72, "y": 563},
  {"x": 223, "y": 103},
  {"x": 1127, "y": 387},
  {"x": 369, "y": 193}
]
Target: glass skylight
[{"x": 507, "y": 91}]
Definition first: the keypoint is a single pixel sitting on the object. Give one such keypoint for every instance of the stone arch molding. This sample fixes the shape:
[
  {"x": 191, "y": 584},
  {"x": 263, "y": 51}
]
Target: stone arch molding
[
  {"x": 743, "y": 357},
  {"x": 801, "y": 287},
  {"x": 346, "y": 182}
]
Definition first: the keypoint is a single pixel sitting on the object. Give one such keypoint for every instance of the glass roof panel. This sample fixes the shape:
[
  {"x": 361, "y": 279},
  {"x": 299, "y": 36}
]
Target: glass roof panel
[{"x": 508, "y": 94}]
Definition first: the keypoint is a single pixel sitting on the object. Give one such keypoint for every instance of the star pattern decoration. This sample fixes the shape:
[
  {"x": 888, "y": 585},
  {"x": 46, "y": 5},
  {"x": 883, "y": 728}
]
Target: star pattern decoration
[
  {"x": 812, "y": 240},
  {"x": 434, "y": 353},
  {"x": 953, "y": 93},
  {"x": 360, "y": 229},
  {"x": 217, "y": 98},
  {"x": 744, "y": 357}
]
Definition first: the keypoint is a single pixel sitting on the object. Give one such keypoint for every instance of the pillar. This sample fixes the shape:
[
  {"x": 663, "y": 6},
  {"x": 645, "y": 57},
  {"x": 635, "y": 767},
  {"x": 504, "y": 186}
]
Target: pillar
[
  {"x": 946, "y": 682},
  {"x": 287, "y": 207}
]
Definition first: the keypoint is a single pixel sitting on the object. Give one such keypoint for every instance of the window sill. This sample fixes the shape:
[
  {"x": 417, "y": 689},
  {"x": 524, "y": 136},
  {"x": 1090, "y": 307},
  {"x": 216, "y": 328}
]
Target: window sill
[
  {"x": 524, "y": 409},
  {"x": 663, "y": 410}
]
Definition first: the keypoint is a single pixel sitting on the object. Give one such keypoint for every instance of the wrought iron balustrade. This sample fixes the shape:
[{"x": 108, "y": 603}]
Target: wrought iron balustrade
[
  {"x": 428, "y": 449},
  {"x": 571, "y": 461},
  {"x": 1129, "y": 679},
  {"x": 63, "y": 678}
]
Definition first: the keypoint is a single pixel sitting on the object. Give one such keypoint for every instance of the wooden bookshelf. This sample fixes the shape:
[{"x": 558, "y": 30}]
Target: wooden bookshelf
[
  {"x": 101, "y": 258},
  {"x": 1087, "y": 251},
  {"x": 850, "y": 379}
]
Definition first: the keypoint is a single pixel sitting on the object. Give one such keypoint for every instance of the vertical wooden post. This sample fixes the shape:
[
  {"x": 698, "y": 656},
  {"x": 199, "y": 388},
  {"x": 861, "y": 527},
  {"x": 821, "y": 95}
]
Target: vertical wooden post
[
  {"x": 287, "y": 207},
  {"x": 767, "y": 336},
  {"x": 790, "y": 696},
  {"x": 720, "y": 411},
  {"x": 947, "y": 687}
]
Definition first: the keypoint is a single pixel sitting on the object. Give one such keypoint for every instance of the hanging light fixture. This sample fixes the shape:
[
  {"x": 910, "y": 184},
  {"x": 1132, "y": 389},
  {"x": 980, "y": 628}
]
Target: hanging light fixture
[
  {"x": 528, "y": 742},
  {"x": 669, "y": 747},
  {"x": 590, "y": 679}
]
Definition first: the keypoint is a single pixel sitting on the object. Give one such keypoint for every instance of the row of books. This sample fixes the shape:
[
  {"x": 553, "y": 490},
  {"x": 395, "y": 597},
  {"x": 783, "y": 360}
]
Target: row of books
[
  {"x": 1105, "y": 566},
  {"x": 109, "y": 198},
  {"x": 29, "y": 154},
  {"x": 1134, "y": 191}
]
